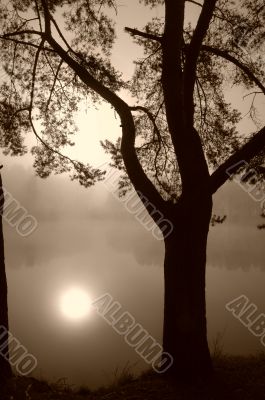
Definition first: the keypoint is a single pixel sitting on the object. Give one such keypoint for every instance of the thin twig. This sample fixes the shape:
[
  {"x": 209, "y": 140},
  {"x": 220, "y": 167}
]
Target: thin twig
[
  {"x": 36, "y": 46},
  {"x": 46, "y": 145},
  {"x": 38, "y": 12},
  {"x": 54, "y": 83}
]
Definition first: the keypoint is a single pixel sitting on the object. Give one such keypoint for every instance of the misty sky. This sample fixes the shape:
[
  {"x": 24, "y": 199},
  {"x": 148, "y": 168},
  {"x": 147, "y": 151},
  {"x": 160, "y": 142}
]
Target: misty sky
[{"x": 86, "y": 238}]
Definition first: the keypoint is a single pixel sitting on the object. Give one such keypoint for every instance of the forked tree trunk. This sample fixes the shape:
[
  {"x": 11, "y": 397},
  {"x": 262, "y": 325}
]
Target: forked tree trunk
[
  {"x": 185, "y": 332},
  {"x": 5, "y": 369}
]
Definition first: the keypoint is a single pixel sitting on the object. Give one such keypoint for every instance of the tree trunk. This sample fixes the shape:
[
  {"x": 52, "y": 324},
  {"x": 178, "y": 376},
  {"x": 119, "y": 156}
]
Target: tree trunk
[
  {"x": 5, "y": 369},
  {"x": 185, "y": 331}
]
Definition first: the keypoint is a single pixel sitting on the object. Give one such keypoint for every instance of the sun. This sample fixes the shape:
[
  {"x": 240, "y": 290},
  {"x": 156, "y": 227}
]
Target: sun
[{"x": 75, "y": 303}]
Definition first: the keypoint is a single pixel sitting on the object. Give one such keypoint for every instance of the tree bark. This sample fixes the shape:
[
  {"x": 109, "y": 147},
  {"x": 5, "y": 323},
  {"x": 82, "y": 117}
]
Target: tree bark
[
  {"x": 185, "y": 328},
  {"x": 5, "y": 368}
]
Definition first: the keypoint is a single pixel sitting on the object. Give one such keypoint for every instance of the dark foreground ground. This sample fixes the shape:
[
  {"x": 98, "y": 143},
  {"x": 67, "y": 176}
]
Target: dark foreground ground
[{"x": 236, "y": 378}]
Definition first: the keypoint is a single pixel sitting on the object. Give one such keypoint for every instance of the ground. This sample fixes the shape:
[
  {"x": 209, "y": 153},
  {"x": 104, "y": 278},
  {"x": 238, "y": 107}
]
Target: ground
[{"x": 236, "y": 378}]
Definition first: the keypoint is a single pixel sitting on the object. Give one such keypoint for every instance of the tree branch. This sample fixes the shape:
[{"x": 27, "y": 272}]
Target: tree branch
[
  {"x": 38, "y": 13},
  {"x": 172, "y": 70},
  {"x": 145, "y": 35},
  {"x": 54, "y": 82},
  {"x": 246, "y": 153},
  {"x": 194, "y": 2},
  {"x": 152, "y": 118},
  {"x": 62, "y": 36},
  {"x": 45, "y": 144},
  {"x": 47, "y": 18},
  {"x": 185, "y": 138},
  {"x": 25, "y": 32},
  {"x": 25, "y": 23},
  {"x": 247, "y": 71},
  {"x": 222, "y": 17},
  {"x": 192, "y": 54},
  {"x": 134, "y": 169},
  {"x": 36, "y": 46}
]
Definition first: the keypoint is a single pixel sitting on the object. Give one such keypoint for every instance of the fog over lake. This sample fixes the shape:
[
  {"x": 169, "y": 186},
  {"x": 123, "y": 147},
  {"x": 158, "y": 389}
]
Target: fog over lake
[{"x": 85, "y": 238}]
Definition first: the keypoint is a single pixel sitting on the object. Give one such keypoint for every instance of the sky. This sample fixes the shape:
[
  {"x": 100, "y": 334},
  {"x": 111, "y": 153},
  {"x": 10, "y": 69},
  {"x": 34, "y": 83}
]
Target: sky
[{"x": 86, "y": 239}]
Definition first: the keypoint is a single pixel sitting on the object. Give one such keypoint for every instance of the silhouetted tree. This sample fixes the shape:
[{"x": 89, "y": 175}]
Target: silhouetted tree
[{"x": 177, "y": 141}]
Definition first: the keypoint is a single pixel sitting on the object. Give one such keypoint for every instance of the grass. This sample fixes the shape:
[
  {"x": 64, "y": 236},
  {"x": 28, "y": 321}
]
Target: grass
[
  {"x": 218, "y": 346},
  {"x": 237, "y": 378}
]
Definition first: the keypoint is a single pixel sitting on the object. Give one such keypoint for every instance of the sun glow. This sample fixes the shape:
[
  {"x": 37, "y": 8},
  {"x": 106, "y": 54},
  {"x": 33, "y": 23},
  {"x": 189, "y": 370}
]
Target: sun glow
[{"x": 75, "y": 303}]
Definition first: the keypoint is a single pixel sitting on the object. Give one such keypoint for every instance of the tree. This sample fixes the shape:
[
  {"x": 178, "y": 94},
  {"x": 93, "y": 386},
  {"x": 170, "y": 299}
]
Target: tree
[
  {"x": 177, "y": 141},
  {"x": 5, "y": 368}
]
